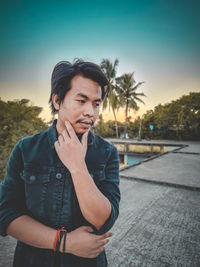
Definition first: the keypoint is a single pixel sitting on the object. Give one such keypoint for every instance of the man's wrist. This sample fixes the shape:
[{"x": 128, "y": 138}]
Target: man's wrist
[{"x": 81, "y": 167}]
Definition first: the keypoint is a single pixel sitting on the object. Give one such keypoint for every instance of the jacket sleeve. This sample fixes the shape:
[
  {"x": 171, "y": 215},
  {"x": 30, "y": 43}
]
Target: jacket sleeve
[
  {"x": 110, "y": 188},
  {"x": 12, "y": 200}
]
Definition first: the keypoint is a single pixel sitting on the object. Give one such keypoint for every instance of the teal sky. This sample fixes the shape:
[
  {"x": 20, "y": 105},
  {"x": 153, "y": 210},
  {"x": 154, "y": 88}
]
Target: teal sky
[{"x": 157, "y": 40}]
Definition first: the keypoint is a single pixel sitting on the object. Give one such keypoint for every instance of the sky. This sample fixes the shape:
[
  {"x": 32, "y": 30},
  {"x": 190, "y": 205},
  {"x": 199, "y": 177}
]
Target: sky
[{"x": 158, "y": 40}]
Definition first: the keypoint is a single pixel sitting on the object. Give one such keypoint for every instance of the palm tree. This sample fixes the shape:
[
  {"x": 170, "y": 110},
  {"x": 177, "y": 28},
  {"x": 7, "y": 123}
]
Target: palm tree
[
  {"x": 111, "y": 98},
  {"x": 127, "y": 87}
]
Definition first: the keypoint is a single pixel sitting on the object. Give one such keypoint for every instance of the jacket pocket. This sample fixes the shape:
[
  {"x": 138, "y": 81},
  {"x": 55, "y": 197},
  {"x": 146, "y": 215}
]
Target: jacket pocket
[
  {"x": 98, "y": 173},
  {"x": 36, "y": 186}
]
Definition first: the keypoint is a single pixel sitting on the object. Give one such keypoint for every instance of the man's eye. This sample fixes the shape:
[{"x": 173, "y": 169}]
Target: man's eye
[
  {"x": 97, "y": 104},
  {"x": 81, "y": 101}
]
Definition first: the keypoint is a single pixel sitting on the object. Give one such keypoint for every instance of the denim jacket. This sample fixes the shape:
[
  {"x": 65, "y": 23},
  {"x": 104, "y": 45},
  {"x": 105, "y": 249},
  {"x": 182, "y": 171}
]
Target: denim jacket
[{"x": 39, "y": 185}]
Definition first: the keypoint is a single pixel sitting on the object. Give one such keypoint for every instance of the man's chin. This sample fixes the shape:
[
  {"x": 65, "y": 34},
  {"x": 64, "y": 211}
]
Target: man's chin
[{"x": 81, "y": 130}]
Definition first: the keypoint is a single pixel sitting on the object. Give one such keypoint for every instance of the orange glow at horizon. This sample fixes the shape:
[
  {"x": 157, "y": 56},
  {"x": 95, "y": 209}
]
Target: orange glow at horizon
[
  {"x": 38, "y": 93},
  {"x": 108, "y": 115}
]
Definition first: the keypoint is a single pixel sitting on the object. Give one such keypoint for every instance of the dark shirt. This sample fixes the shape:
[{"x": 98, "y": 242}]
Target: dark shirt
[{"x": 39, "y": 185}]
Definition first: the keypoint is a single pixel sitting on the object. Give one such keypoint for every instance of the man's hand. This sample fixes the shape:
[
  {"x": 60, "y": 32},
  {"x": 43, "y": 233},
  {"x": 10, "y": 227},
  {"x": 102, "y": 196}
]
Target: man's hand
[
  {"x": 70, "y": 150},
  {"x": 81, "y": 242}
]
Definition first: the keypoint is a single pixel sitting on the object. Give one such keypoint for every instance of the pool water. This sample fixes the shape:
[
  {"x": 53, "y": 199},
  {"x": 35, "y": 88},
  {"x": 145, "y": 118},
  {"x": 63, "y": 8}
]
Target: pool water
[{"x": 130, "y": 160}]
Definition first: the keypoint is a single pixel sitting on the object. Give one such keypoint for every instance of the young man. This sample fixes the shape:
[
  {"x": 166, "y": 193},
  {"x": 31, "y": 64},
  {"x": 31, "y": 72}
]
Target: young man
[{"x": 63, "y": 177}]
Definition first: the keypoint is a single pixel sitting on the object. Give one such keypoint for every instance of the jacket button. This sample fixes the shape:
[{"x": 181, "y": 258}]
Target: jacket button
[
  {"x": 58, "y": 175},
  {"x": 32, "y": 178}
]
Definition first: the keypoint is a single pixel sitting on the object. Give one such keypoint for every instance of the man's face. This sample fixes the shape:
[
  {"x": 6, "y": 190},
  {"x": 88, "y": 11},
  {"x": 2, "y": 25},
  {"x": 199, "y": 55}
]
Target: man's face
[{"x": 81, "y": 105}]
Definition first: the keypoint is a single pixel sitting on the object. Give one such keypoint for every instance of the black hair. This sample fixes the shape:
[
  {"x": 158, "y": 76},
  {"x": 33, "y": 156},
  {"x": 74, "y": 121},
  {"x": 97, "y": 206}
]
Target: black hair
[{"x": 65, "y": 71}]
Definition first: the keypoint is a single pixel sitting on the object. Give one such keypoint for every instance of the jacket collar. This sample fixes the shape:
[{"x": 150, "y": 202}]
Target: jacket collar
[{"x": 53, "y": 135}]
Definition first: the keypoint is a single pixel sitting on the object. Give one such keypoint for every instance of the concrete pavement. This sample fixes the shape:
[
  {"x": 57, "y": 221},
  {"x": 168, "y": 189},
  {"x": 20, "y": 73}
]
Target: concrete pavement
[
  {"x": 159, "y": 221},
  {"x": 158, "y": 226},
  {"x": 180, "y": 168}
]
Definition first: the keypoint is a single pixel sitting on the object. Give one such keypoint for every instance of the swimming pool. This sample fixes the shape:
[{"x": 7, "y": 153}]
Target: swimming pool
[{"x": 139, "y": 153}]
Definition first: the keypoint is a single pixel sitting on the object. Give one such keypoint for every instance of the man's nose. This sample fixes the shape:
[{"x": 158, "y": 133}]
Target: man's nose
[{"x": 89, "y": 110}]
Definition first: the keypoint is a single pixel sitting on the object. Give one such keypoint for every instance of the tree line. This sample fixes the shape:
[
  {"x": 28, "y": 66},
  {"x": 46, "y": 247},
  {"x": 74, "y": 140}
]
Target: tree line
[
  {"x": 18, "y": 118},
  {"x": 177, "y": 120}
]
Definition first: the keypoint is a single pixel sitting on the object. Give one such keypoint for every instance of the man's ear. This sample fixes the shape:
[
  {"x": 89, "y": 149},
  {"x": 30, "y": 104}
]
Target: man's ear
[{"x": 55, "y": 101}]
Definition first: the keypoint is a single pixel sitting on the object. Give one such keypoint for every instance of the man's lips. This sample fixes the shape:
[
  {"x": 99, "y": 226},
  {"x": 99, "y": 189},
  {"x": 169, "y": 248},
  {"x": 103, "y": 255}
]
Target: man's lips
[{"x": 86, "y": 123}]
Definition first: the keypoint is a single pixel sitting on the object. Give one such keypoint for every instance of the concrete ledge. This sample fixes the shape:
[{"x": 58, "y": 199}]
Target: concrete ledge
[
  {"x": 187, "y": 153},
  {"x": 195, "y": 188}
]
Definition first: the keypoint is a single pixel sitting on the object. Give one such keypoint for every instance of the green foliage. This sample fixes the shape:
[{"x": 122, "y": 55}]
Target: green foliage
[
  {"x": 107, "y": 129},
  {"x": 178, "y": 120},
  {"x": 128, "y": 95},
  {"x": 111, "y": 99},
  {"x": 17, "y": 119},
  {"x": 133, "y": 128},
  {"x": 110, "y": 71}
]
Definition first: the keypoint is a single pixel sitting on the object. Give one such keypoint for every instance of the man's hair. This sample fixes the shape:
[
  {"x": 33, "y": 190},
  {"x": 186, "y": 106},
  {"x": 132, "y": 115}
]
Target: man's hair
[{"x": 65, "y": 71}]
